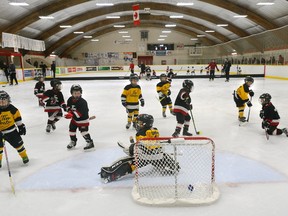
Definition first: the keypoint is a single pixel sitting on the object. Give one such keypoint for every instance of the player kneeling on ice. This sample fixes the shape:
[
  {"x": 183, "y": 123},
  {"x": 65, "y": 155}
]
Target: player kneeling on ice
[
  {"x": 270, "y": 116},
  {"x": 40, "y": 89},
  {"x": 163, "y": 90},
  {"x": 54, "y": 103},
  {"x": 146, "y": 154},
  {"x": 9, "y": 117},
  {"x": 241, "y": 97},
  {"x": 78, "y": 112},
  {"x": 182, "y": 106}
]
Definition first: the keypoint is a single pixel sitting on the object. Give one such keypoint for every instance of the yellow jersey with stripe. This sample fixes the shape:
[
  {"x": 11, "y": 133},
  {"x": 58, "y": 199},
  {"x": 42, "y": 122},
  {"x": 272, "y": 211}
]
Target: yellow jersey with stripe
[
  {"x": 242, "y": 93},
  {"x": 8, "y": 118},
  {"x": 131, "y": 96},
  {"x": 163, "y": 88}
]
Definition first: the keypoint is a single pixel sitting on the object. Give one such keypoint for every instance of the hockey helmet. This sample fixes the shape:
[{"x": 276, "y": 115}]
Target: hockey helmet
[
  {"x": 133, "y": 77},
  {"x": 144, "y": 120},
  {"x": 56, "y": 84},
  {"x": 163, "y": 76},
  {"x": 4, "y": 100},
  {"x": 265, "y": 98},
  {"x": 75, "y": 87},
  {"x": 188, "y": 84},
  {"x": 249, "y": 79}
]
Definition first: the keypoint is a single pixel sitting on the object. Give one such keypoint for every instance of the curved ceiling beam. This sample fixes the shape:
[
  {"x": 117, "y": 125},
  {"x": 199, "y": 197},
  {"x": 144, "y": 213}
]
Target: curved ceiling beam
[
  {"x": 109, "y": 30},
  {"x": 151, "y": 18},
  {"x": 128, "y": 7},
  {"x": 33, "y": 16},
  {"x": 256, "y": 18}
]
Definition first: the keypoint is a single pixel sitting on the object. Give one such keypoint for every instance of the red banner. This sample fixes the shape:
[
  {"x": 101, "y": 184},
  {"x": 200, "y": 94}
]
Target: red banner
[{"x": 136, "y": 17}]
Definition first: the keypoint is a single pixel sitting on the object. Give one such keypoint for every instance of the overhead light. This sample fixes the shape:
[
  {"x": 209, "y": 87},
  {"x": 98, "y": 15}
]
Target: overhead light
[
  {"x": 52, "y": 55},
  {"x": 166, "y": 31},
  {"x": 123, "y": 32},
  {"x": 119, "y": 26},
  {"x": 240, "y": 16},
  {"x": 104, "y": 4},
  {"x": 265, "y": 3},
  {"x": 128, "y": 39},
  {"x": 234, "y": 53},
  {"x": 126, "y": 36},
  {"x": 162, "y": 36},
  {"x": 18, "y": 3},
  {"x": 176, "y": 16},
  {"x": 161, "y": 39},
  {"x": 87, "y": 36},
  {"x": 209, "y": 31},
  {"x": 46, "y": 17},
  {"x": 65, "y": 26},
  {"x": 95, "y": 40},
  {"x": 222, "y": 25},
  {"x": 78, "y": 32},
  {"x": 185, "y": 4},
  {"x": 194, "y": 39},
  {"x": 112, "y": 17},
  {"x": 201, "y": 35},
  {"x": 170, "y": 25}
]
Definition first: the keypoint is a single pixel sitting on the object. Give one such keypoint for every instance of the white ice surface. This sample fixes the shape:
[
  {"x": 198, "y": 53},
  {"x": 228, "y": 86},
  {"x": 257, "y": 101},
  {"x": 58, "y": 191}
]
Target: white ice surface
[{"x": 251, "y": 172}]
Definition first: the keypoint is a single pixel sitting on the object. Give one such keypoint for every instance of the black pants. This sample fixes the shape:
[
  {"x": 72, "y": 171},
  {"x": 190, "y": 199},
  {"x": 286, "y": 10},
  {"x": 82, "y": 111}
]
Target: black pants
[
  {"x": 227, "y": 75},
  {"x": 13, "y": 77},
  {"x": 83, "y": 130},
  {"x": 212, "y": 75}
]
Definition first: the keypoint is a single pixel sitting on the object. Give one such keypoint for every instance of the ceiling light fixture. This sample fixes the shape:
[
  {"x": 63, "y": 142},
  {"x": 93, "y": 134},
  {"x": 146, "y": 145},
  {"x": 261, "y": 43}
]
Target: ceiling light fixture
[
  {"x": 126, "y": 36},
  {"x": 240, "y": 16},
  {"x": 194, "y": 39},
  {"x": 185, "y": 3},
  {"x": 222, "y": 25},
  {"x": 112, "y": 17},
  {"x": 46, "y": 17},
  {"x": 265, "y": 3},
  {"x": 209, "y": 31},
  {"x": 18, "y": 3},
  {"x": 201, "y": 35},
  {"x": 119, "y": 26},
  {"x": 123, "y": 32},
  {"x": 163, "y": 36},
  {"x": 65, "y": 26},
  {"x": 170, "y": 25},
  {"x": 87, "y": 36},
  {"x": 128, "y": 39},
  {"x": 104, "y": 4},
  {"x": 95, "y": 40},
  {"x": 78, "y": 32},
  {"x": 166, "y": 31},
  {"x": 161, "y": 39},
  {"x": 176, "y": 16}
]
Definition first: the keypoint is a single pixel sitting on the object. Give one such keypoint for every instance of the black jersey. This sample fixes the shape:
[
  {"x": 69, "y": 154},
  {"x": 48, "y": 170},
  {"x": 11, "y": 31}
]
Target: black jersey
[
  {"x": 270, "y": 114},
  {"x": 53, "y": 100},
  {"x": 80, "y": 111},
  {"x": 39, "y": 88},
  {"x": 182, "y": 102}
]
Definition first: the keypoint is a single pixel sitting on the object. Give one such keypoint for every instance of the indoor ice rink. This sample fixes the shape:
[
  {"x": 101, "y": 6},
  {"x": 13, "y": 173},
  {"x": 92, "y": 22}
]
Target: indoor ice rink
[{"x": 95, "y": 43}]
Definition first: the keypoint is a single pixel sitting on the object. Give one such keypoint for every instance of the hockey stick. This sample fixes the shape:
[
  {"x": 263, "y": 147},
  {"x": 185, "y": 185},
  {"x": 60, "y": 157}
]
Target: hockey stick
[
  {"x": 249, "y": 110},
  {"x": 8, "y": 167},
  {"x": 92, "y": 117},
  {"x": 197, "y": 132},
  {"x": 266, "y": 133}
]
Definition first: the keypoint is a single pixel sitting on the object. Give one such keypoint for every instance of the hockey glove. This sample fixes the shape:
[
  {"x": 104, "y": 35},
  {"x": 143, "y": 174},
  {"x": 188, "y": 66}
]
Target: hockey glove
[
  {"x": 22, "y": 129},
  {"x": 251, "y": 93},
  {"x": 69, "y": 115},
  {"x": 142, "y": 103},
  {"x": 169, "y": 92},
  {"x": 265, "y": 124},
  {"x": 249, "y": 104},
  {"x": 124, "y": 104},
  {"x": 261, "y": 114}
]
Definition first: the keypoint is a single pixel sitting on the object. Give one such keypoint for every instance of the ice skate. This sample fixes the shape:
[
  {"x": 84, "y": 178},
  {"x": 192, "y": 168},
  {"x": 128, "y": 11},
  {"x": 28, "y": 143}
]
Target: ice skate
[
  {"x": 285, "y": 131},
  {"x": 53, "y": 126},
  {"x": 71, "y": 145},
  {"x": 0, "y": 164},
  {"x": 242, "y": 119},
  {"x": 128, "y": 125},
  {"x": 25, "y": 160},
  {"x": 185, "y": 131},
  {"x": 164, "y": 114},
  {"x": 89, "y": 145},
  {"x": 48, "y": 128},
  {"x": 176, "y": 132}
]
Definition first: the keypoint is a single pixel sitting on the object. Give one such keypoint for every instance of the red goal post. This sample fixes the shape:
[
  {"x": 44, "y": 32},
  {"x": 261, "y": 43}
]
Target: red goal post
[{"x": 171, "y": 171}]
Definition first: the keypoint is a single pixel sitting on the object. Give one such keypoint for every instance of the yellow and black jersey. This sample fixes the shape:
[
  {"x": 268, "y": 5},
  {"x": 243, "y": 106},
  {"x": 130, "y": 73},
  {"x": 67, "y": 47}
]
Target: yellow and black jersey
[
  {"x": 164, "y": 88},
  {"x": 131, "y": 96},
  {"x": 147, "y": 133},
  {"x": 242, "y": 93},
  {"x": 8, "y": 118}
]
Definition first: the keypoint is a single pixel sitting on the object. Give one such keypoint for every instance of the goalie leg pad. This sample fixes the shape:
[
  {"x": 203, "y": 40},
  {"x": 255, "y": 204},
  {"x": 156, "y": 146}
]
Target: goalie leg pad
[
  {"x": 167, "y": 164},
  {"x": 118, "y": 169}
]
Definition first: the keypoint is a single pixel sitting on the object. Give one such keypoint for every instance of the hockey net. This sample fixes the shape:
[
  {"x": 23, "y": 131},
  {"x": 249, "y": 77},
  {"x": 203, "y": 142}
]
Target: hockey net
[{"x": 175, "y": 171}]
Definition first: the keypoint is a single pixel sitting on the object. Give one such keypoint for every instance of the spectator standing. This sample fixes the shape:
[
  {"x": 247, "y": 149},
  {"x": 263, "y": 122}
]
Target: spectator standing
[
  {"x": 53, "y": 69},
  {"x": 131, "y": 67},
  {"x": 6, "y": 72},
  {"x": 226, "y": 69},
  {"x": 43, "y": 68},
  {"x": 12, "y": 71},
  {"x": 212, "y": 65}
]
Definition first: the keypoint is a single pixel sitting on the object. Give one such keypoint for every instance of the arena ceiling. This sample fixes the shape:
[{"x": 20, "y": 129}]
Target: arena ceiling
[{"x": 242, "y": 18}]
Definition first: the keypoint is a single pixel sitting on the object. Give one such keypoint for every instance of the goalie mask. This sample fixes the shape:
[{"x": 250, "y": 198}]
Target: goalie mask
[
  {"x": 144, "y": 120},
  {"x": 265, "y": 98},
  {"x": 4, "y": 100}
]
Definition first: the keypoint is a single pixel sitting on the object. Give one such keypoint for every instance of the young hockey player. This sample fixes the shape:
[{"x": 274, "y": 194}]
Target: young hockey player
[
  {"x": 182, "y": 106},
  {"x": 78, "y": 112},
  {"x": 163, "y": 90},
  {"x": 270, "y": 116},
  {"x": 130, "y": 99},
  {"x": 10, "y": 118},
  {"x": 171, "y": 75},
  {"x": 54, "y": 103},
  {"x": 39, "y": 90},
  {"x": 148, "y": 73},
  {"x": 192, "y": 70},
  {"x": 157, "y": 157},
  {"x": 188, "y": 70},
  {"x": 241, "y": 97}
]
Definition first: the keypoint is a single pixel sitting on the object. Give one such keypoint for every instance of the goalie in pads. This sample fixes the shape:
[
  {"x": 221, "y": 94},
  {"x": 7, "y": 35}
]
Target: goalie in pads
[{"x": 152, "y": 154}]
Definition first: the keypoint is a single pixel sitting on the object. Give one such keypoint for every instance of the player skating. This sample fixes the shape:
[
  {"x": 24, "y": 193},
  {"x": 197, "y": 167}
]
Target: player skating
[
  {"x": 270, "y": 117},
  {"x": 171, "y": 75},
  {"x": 241, "y": 97},
  {"x": 40, "y": 89},
  {"x": 148, "y": 73},
  {"x": 163, "y": 90},
  {"x": 10, "y": 118},
  {"x": 182, "y": 106},
  {"x": 152, "y": 154},
  {"x": 54, "y": 103},
  {"x": 78, "y": 112},
  {"x": 130, "y": 98}
]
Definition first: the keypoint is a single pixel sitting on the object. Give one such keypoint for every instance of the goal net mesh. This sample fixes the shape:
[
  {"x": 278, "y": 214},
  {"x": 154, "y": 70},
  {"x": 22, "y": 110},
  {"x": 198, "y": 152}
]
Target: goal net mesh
[{"x": 175, "y": 170}]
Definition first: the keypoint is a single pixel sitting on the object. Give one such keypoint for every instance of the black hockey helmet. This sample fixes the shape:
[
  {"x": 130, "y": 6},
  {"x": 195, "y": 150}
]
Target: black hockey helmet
[
  {"x": 75, "y": 87},
  {"x": 188, "y": 84},
  {"x": 133, "y": 77},
  {"x": 249, "y": 79},
  {"x": 4, "y": 99},
  {"x": 265, "y": 98},
  {"x": 145, "y": 120},
  {"x": 163, "y": 75},
  {"x": 56, "y": 84}
]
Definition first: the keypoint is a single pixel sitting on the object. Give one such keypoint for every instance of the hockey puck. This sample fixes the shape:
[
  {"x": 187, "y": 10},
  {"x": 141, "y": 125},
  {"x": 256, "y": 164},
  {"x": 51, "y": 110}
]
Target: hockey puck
[{"x": 190, "y": 187}]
